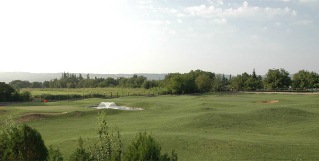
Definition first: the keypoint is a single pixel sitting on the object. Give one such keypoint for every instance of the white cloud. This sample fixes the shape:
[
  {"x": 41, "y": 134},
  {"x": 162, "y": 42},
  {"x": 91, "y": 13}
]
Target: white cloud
[
  {"x": 305, "y": 22},
  {"x": 245, "y": 4},
  {"x": 244, "y": 10},
  {"x": 221, "y": 20},
  {"x": 156, "y": 22},
  {"x": 220, "y": 2},
  {"x": 255, "y": 37},
  {"x": 313, "y": 3},
  {"x": 217, "y": 2},
  {"x": 308, "y": 1},
  {"x": 279, "y": 11}
]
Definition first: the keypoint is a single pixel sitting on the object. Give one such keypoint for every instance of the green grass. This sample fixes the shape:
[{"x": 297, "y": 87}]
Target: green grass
[
  {"x": 86, "y": 91},
  {"x": 199, "y": 127}
]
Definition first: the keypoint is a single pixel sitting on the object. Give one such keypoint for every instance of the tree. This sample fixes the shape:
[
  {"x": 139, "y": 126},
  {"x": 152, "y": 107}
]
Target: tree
[
  {"x": 108, "y": 146},
  {"x": 145, "y": 148},
  {"x": 203, "y": 83},
  {"x": 174, "y": 83},
  {"x": 8, "y": 93},
  {"x": 277, "y": 78},
  {"x": 36, "y": 85},
  {"x": 217, "y": 84},
  {"x": 25, "y": 96},
  {"x": 246, "y": 82},
  {"x": 147, "y": 84},
  {"x": 21, "y": 143},
  {"x": 236, "y": 83},
  {"x": 305, "y": 80},
  {"x": 20, "y": 84}
]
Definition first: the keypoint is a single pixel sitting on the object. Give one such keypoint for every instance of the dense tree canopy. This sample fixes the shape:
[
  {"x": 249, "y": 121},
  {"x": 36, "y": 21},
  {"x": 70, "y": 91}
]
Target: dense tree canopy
[
  {"x": 192, "y": 82},
  {"x": 246, "y": 82},
  {"x": 8, "y": 93},
  {"x": 277, "y": 79},
  {"x": 305, "y": 80}
]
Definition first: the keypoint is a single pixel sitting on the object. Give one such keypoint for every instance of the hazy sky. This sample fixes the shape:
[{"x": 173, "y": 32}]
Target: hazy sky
[{"x": 159, "y": 36}]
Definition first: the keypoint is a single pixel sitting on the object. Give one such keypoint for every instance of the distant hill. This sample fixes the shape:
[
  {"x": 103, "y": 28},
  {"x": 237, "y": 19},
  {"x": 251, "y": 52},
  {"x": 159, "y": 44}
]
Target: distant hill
[{"x": 40, "y": 77}]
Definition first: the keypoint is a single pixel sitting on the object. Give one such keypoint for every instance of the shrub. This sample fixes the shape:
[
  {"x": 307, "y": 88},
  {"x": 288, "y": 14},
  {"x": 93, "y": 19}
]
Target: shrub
[
  {"x": 108, "y": 146},
  {"x": 80, "y": 154},
  {"x": 54, "y": 155},
  {"x": 146, "y": 148},
  {"x": 21, "y": 143}
]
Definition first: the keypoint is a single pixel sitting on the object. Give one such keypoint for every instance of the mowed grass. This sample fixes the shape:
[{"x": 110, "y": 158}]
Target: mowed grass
[
  {"x": 87, "y": 91},
  {"x": 199, "y": 127}
]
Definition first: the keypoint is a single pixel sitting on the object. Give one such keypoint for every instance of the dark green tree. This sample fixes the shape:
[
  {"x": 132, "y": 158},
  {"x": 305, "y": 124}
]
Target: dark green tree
[
  {"x": 246, "y": 82},
  {"x": 36, "y": 85},
  {"x": 8, "y": 93},
  {"x": 21, "y": 143},
  {"x": 277, "y": 79},
  {"x": 20, "y": 84},
  {"x": 305, "y": 80},
  {"x": 25, "y": 96}
]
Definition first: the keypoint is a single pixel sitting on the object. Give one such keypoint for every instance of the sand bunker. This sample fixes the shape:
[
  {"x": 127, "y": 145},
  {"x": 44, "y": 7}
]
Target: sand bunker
[
  {"x": 268, "y": 101},
  {"x": 31, "y": 117},
  {"x": 37, "y": 116},
  {"x": 112, "y": 105}
]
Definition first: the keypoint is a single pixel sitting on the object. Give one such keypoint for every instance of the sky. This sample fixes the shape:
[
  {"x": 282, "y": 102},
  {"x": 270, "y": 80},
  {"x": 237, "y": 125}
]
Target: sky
[{"x": 158, "y": 36}]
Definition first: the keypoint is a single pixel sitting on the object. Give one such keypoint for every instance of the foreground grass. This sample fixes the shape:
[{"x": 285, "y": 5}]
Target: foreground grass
[{"x": 198, "y": 127}]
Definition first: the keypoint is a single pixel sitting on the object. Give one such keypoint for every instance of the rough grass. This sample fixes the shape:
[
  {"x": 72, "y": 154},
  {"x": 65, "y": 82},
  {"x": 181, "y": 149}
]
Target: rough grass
[{"x": 199, "y": 127}]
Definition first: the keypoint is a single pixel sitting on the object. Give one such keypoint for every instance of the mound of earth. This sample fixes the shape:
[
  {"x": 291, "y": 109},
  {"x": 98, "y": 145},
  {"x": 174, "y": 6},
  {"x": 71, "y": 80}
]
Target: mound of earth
[
  {"x": 31, "y": 117},
  {"x": 268, "y": 101},
  {"x": 281, "y": 115},
  {"x": 37, "y": 116}
]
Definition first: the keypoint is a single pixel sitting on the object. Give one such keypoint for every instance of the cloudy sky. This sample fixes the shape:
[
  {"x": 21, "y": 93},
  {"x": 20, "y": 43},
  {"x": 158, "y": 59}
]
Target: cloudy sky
[{"x": 159, "y": 36}]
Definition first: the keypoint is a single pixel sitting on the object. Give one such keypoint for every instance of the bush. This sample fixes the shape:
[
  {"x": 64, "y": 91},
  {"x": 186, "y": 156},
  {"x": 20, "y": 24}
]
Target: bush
[
  {"x": 21, "y": 143},
  {"x": 108, "y": 146},
  {"x": 80, "y": 154},
  {"x": 54, "y": 155},
  {"x": 25, "y": 96},
  {"x": 146, "y": 148}
]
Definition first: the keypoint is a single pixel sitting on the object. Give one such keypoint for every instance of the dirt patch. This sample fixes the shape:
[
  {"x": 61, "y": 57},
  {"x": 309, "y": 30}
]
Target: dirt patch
[
  {"x": 268, "y": 101},
  {"x": 31, "y": 117},
  {"x": 2, "y": 111},
  {"x": 37, "y": 116}
]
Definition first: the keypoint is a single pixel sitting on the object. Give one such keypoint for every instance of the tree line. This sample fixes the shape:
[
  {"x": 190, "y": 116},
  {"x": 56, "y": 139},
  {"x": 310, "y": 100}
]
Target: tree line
[
  {"x": 195, "y": 81},
  {"x": 275, "y": 79},
  {"x": 70, "y": 80}
]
